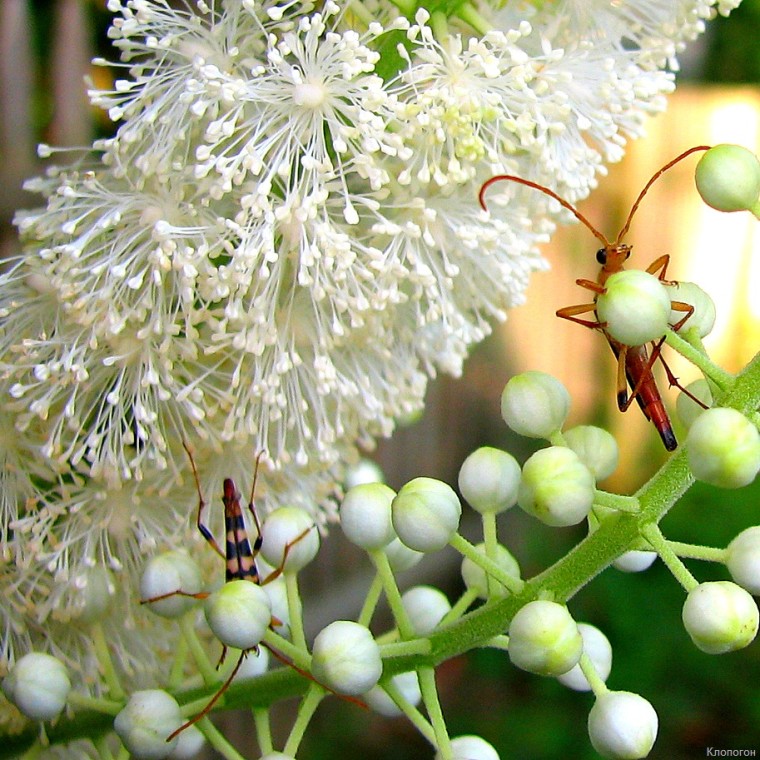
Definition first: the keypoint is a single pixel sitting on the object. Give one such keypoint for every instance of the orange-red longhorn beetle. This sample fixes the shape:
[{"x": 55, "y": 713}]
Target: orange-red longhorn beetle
[{"x": 634, "y": 362}]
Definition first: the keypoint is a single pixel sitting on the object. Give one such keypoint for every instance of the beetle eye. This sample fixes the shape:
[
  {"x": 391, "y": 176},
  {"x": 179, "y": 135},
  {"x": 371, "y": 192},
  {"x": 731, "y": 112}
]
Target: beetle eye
[{"x": 601, "y": 256}]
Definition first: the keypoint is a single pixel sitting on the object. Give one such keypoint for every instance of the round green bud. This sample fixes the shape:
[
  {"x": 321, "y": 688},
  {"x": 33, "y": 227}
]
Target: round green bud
[
  {"x": 291, "y": 530},
  {"x": 635, "y": 307},
  {"x": 556, "y": 487},
  {"x": 720, "y": 616},
  {"x": 38, "y": 684},
  {"x": 425, "y": 514},
  {"x": 148, "y": 718},
  {"x": 703, "y": 318},
  {"x": 346, "y": 658},
  {"x": 364, "y": 471},
  {"x": 743, "y": 559},
  {"x": 687, "y": 409},
  {"x": 728, "y": 178},
  {"x": 409, "y": 686},
  {"x": 723, "y": 448},
  {"x": 475, "y": 577},
  {"x": 595, "y": 447},
  {"x": 470, "y": 747},
  {"x": 424, "y": 606},
  {"x": 365, "y": 516},
  {"x": 166, "y": 574},
  {"x": 489, "y": 479},
  {"x": 597, "y": 646},
  {"x": 622, "y": 725},
  {"x": 634, "y": 561},
  {"x": 535, "y": 404},
  {"x": 239, "y": 613},
  {"x": 254, "y": 664},
  {"x": 544, "y": 639}
]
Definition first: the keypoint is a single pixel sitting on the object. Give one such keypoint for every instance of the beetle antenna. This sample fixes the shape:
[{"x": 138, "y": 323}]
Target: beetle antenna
[
  {"x": 649, "y": 184},
  {"x": 574, "y": 211}
]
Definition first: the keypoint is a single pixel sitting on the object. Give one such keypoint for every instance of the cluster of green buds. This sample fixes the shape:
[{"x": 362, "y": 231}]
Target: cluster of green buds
[{"x": 394, "y": 672}]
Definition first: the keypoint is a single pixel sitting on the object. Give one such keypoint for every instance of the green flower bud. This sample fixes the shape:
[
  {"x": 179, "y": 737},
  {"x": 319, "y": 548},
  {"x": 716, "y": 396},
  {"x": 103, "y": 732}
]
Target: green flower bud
[
  {"x": 597, "y": 646},
  {"x": 38, "y": 684},
  {"x": 556, "y": 487},
  {"x": 728, "y": 178},
  {"x": 544, "y": 639},
  {"x": 146, "y": 721},
  {"x": 401, "y": 557},
  {"x": 425, "y": 514},
  {"x": 165, "y": 574},
  {"x": 380, "y": 702},
  {"x": 635, "y": 307},
  {"x": 703, "y": 318},
  {"x": 364, "y": 471},
  {"x": 723, "y": 448},
  {"x": 489, "y": 479},
  {"x": 720, "y": 617},
  {"x": 595, "y": 447},
  {"x": 743, "y": 559},
  {"x": 239, "y": 613},
  {"x": 622, "y": 725},
  {"x": 475, "y": 577},
  {"x": 346, "y": 658},
  {"x": 365, "y": 515},
  {"x": 424, "y": 606},
  {"x": 535, "y": 404},
  {"x": 289, "y": 529},
  {"x": 470, "y": 747},
  {"x": 687, "y": 409}
]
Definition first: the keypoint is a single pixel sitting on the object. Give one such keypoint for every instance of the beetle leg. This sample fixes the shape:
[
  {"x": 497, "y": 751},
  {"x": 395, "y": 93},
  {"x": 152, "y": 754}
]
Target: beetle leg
[{"x": 569, "y": 313}]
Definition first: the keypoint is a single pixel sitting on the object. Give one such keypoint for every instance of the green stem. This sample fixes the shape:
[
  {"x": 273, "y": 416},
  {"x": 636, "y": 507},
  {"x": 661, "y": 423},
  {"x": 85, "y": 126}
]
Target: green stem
[
  {"x": 187, "y": 627},
  {"x": 491, "y": 542},
  {"x": 464, "y": 547},
  {"x": 440, "y": 26},
  {"x": 306, "y": 709},
  {"x": 263, "y": 730},
  {"x": 653, "y": 534},
  {"x": 724, "y": 380},
  {"x": 217, "y": 740},
  {"x": 598, "y": 686},
  {"x": 498, "y": 642},
  {"x": 755, "y": 209},
  {"x": 295, "y": 611},
  {"x": 433, "y": 706},
  {"x": 404, "y": 648},
  {"x": 299, "y": 657},
  {"x": 103, "y": 655},
  {"x": 178, "y": 664},
  {"x": 617, "y": 501},
  {"x": 412, "y": 713},
  {"x": 392, "y": 594},
  {"x": 460, "y": 606},
  {"x": 694, "y": 551},
  {"x": 370, "y": 601},
  {"x": 106, "y": 706},
  {"x": 470, "y": 16}
]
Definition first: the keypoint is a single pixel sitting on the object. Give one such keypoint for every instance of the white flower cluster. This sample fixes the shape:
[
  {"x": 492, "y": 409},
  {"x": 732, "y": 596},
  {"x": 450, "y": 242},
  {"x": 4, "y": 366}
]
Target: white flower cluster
[{"x": 282, "y": 243}]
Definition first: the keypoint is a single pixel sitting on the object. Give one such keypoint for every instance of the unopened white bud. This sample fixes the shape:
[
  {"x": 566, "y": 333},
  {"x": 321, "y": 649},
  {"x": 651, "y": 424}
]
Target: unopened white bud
[
  {"x": 556, "y": 487},
  {"x": 364, "y": 471},
  {"x": 167, "y": 574},
  {"x": 728, "y": 178},
  {"x": 597, "y": 646},
  {"x": 38, "y": 684},
  {"x": 687, "y": 409},
  {"x": 239, "y": 614},
  {"x": 425, "y": 514},
  {"x": 635, "y": 307},
  {"x": 189, "y": 744},
  {"x": 489, "y": 479},
  {"x": 720, "y": 617},
  {"x": 424, "y": 606},
  {"x": 365, "y": 516},
  {"x": 346, "y": 658},
  {"x": 703, "y": 318},
  {"x": 635, "y": 561},
  {"x": 470, "y": 747},
  {"x": 544, "y": 639},
  {"x": 622, "y": 725},
  {"x": 401, "y": 557},
  {"x": 535, "y": 404},
  {"x": 291, "y": 530},
  {"x": 146, "y": 721},
  {"x": 743, "y": 559},
  {"x": 723, "y": 448},
  {"x": 595, "y": 447}
]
